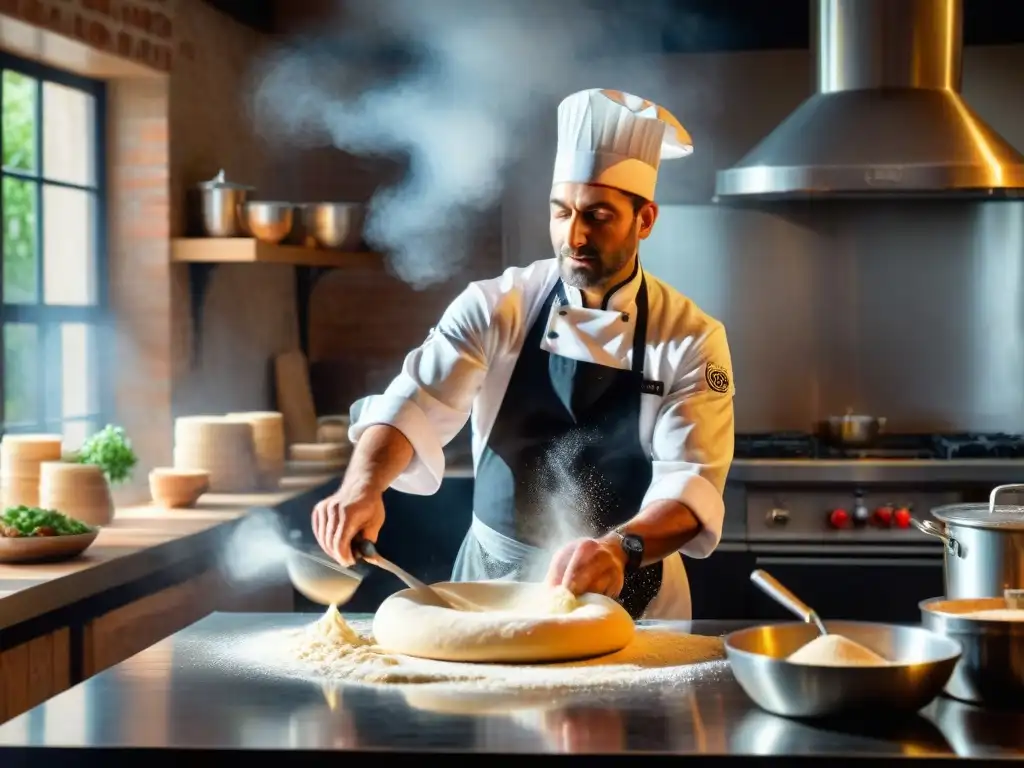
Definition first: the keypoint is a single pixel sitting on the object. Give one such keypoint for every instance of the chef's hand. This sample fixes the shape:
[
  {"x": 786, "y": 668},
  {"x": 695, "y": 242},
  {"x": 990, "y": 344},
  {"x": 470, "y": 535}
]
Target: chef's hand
[
  {"x": 352, "y": 511},
  {"x": 589, "y": 565}
]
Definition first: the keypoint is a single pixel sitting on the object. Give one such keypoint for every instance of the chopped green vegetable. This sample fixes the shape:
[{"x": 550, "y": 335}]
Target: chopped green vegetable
[
  {"x": 17, "y": 522},
  {"x": 111, "y": 450}
]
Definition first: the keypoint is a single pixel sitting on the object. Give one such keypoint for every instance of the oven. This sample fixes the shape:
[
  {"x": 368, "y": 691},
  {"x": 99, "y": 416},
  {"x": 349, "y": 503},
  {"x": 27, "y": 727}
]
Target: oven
[
  {"x": 855, "y": 583},
  {"x": 851, "y": 553}
]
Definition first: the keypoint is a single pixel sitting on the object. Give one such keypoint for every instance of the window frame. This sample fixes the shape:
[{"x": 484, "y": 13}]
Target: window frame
[{"x": 48, "y": 318}]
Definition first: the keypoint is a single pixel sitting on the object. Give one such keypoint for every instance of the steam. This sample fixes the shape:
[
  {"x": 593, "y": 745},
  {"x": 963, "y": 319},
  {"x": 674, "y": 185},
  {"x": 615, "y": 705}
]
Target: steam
[{"x": 457, "y": 88}]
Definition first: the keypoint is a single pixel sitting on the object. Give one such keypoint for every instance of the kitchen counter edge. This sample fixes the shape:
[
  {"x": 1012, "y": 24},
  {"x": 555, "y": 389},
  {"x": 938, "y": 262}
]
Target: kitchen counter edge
[{"x": 141, "y": 542}]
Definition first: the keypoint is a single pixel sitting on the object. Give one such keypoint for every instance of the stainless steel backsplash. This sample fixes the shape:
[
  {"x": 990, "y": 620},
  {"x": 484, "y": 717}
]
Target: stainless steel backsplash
[{"x": 913, "y": 311}]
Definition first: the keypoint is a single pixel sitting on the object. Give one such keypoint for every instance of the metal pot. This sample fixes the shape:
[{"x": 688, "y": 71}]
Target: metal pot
[
  {"x": 220, "y": 201},
  {"x": 852, "y": 429},
  {"x": 984, "y": 553},
  {"x": 991, "y": 667}
]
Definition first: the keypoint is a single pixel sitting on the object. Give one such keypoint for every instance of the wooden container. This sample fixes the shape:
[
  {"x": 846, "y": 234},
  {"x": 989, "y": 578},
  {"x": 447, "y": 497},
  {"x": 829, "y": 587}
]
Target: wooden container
[
  {"x": 80, "y": 491},
  {"x": 226, "y": 448},
  {"x": 178, "y": 488},
  {"x": 20, "y": 457},
  {"x": 332, "y": 429},
  {"x": 268, "y": 438}
]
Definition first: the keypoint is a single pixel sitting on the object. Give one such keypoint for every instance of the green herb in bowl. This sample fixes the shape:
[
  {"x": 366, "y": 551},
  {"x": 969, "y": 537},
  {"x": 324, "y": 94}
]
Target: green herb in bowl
[
  {"x": 20, "y": 522},
  {"x": 111, "y": 450}
]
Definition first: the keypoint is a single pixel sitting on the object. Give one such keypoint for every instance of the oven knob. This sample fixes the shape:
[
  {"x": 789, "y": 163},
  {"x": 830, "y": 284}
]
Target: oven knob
[
  {"x": 839, "y": 518},
  {"x": 901, "y": 517},
  {"x": 778, "y": 516},
  {"x": 861, "y": 514},
  {"x": 883, "y": 517}
]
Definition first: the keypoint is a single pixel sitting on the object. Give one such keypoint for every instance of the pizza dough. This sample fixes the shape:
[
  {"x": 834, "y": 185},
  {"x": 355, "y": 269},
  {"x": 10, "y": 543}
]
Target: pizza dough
[
  {"x": 836, "y": 651},
  {"x": 510, "y": 622}
]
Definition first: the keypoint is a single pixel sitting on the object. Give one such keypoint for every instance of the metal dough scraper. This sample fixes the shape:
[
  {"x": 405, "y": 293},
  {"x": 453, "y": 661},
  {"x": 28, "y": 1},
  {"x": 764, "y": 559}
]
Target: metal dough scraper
[{"x": 319, "y": 579}]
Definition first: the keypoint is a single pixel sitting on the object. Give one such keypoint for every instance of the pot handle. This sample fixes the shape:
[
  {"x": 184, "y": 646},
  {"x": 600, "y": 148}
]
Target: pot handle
[
  {"x": 999, "y": 489},
  {"x": 931, "y": 529}
]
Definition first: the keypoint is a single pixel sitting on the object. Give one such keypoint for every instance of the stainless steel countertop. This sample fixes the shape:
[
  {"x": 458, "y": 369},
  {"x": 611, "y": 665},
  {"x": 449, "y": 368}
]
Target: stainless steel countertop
[
  {"x": 926, "y": 471},
  {"x": 172, "y": 698}
]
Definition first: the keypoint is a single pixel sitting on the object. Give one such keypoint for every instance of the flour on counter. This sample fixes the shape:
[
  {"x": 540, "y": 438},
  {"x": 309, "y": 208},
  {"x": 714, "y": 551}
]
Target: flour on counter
[{"x": 332, "y": 651}]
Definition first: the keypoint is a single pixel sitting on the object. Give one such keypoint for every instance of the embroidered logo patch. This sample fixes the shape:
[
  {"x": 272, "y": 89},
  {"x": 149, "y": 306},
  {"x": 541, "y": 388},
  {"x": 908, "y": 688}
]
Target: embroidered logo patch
[
  {"x": 717, "y": 377},
  {"x": 652, "y": 388}
]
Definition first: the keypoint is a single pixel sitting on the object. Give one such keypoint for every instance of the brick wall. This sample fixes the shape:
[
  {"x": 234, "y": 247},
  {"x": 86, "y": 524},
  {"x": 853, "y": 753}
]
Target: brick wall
[{"x": 139, "y": 253}]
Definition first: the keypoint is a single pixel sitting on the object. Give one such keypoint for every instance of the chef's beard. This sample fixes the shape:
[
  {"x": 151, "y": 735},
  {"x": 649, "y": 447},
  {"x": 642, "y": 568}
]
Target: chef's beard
[{"x": 603, "y": 265}]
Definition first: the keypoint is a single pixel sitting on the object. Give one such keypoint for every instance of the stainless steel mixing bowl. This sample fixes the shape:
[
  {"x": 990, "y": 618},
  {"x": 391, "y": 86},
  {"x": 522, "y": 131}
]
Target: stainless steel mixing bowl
[
  {"x": 334, "y": 225},
  {"x": 991, "y": 669},
  {"x": 268, "y": 222},
  {"x": 924, "y": 662}
]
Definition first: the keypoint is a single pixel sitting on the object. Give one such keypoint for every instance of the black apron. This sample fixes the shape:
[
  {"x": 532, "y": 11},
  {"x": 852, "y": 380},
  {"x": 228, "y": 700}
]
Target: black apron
[{"x": 567, "y": 436}]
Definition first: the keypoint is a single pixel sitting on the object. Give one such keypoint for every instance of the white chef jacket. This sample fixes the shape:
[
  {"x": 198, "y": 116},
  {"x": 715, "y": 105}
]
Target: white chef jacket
[{"x": 462, "y": 369}]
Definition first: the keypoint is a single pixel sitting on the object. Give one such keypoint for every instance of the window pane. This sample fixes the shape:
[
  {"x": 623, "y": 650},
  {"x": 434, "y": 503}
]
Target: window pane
[
  {"x": 19, "y": 134},
  {"x": 75, "y": 432},
  {"x": 68, "y": 141},
  {"x": 69, "y": 257},
  {"x": 75, "y": 371},
  {"x": 19, "y": 212},
  {"x": 21, "y": 373}
]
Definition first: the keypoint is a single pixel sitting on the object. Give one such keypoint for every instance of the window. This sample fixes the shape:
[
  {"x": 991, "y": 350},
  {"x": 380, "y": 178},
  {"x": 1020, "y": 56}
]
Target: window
[{"x": 54, "y": 257}]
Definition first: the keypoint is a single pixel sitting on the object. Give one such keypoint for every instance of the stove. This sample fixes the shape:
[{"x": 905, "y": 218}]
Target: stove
[
  {"x": 938, "y": 447},
  {"x": 836, "y": 525},
  {"x": 922, "y": 458}
]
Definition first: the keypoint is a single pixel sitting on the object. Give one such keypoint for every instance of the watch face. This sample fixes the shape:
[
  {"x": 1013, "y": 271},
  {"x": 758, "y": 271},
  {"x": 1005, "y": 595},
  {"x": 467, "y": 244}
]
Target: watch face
[{"x": 632, "y": 544}]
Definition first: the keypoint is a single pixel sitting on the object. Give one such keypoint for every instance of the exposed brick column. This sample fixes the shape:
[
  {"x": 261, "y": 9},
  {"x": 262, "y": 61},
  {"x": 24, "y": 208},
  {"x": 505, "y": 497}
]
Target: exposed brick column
[{"x": 140, "y": 270}]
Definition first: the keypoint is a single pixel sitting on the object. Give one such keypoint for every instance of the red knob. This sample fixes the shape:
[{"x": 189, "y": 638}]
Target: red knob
[
  {"x": 901, "y": 517},
  {"x": 883, "y": 517},
  {"x": 839, "y": 518}
]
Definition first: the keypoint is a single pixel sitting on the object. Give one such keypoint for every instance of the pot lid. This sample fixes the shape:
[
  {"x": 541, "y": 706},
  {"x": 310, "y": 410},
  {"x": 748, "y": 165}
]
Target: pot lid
[
  {"x": 1002, "y": 516},
  {"x": 220, "y": 182}
]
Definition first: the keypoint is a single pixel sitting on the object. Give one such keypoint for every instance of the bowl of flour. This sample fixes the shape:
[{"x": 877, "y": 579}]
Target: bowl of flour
[{"x": 790, "y": 669}]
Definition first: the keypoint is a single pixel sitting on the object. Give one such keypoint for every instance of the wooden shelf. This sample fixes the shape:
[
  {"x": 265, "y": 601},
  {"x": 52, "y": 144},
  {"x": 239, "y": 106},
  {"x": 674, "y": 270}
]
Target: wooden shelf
[
  {"x": 204, "y": 254},
  {"x": 248, "y": 250}
]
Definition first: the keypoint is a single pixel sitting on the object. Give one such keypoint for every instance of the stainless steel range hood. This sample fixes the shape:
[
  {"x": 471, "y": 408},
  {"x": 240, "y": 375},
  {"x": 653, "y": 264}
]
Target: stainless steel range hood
[{"x": 886, "y": 119}]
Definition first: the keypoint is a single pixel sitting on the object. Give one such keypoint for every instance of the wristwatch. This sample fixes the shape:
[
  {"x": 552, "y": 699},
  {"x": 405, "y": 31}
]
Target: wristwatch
[{"x": 633, "y": 546}]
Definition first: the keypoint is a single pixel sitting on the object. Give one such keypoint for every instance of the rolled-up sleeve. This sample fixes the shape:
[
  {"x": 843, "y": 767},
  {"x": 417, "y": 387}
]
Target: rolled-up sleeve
[
  {"x": 431, "y": 399},
  {"x": 692, "y": 443}
]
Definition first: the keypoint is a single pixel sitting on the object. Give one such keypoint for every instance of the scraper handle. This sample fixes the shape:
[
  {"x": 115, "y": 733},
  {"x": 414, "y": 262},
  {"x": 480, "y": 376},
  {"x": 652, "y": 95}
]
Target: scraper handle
[
  {"x": 364, "y": 548},
  {"x": 774, "y": 589}
]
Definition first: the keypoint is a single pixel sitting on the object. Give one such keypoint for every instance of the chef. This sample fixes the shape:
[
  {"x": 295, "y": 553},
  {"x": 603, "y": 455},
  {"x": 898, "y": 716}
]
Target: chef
[{"x": 600, "y": 399}]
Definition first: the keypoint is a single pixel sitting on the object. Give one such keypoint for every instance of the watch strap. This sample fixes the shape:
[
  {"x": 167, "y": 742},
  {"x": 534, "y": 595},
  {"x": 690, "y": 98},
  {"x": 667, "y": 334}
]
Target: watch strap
[{"x": 633, "y": 546}]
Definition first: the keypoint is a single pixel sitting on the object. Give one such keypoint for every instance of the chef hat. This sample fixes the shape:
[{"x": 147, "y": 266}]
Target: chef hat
[{"x": 616, "y": 139}]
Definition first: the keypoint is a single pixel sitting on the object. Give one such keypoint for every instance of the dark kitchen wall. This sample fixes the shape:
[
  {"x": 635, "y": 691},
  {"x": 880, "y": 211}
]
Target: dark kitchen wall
[{"x": 910, "y": 310}]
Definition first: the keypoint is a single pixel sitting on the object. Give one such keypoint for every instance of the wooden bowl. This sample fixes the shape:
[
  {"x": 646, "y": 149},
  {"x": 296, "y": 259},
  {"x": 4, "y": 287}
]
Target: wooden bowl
[
  {"x": 44, "y": 549},
  {"x": 178, "y": 488}
]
